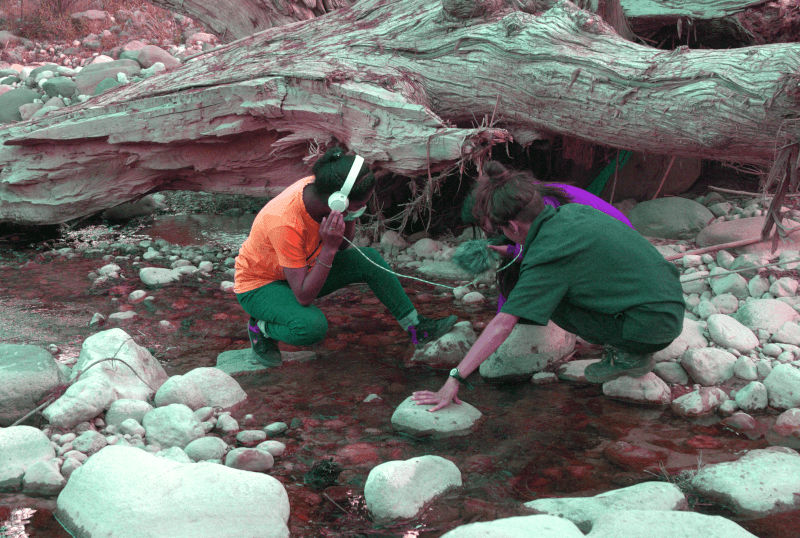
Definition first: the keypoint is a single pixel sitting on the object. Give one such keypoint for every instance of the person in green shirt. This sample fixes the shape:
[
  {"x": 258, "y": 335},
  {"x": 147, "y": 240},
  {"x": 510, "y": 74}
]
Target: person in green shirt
[{"x": 586, "y": 271}]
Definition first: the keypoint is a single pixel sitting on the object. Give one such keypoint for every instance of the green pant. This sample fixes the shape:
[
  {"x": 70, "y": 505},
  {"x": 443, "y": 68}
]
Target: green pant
[
  {"x": 608, "y": 329},
  {"x": 289, "y": 321}
]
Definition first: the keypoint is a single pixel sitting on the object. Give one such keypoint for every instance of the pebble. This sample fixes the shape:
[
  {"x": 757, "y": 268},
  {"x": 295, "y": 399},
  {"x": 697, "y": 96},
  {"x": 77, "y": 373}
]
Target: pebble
[
  {"x": 251, "y": 437},
  {"x": 276, "y": 428}
]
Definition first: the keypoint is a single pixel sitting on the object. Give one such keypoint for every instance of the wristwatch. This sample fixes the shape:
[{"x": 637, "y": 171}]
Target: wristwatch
[{"x": 457, "y": 375}]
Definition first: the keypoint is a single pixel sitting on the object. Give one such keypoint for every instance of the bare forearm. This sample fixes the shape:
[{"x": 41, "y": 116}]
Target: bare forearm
[
  {"x": 315, "y": 278},
  {"x": 487, "y": 343}
]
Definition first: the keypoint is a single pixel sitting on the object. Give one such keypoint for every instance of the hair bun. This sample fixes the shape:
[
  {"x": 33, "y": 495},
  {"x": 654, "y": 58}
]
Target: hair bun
[
  {"x": 494, "y": 171},
  {"x": 332, "y": 155}
]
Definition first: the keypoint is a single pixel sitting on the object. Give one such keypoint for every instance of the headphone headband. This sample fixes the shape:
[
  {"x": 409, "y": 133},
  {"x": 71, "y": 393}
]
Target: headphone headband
[{"x": 352, "y": 175}]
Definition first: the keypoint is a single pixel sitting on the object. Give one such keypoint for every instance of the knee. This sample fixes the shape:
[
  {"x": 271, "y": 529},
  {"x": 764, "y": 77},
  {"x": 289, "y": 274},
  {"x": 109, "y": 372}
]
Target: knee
[{"x": 309, "y": 330}]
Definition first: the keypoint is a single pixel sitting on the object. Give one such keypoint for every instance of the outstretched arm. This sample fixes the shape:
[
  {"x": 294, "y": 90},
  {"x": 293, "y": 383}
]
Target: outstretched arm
[{"x": 490, "y": 339}]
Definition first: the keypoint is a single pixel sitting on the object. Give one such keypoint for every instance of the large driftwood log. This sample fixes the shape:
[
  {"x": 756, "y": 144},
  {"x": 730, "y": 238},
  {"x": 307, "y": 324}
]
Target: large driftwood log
[
  {"x": 406, "y": 83},
  {"x": 234, "y": 19}
]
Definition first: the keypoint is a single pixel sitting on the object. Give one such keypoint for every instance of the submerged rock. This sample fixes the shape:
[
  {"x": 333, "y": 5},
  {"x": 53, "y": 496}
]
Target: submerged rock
[
  {"x": 760, "y": 483},
  {"x": 159, "y": 276},
  {"x": 238, "y": 362},
  {"x": 541, "y": 526},
  {"x": 743, "y": 423},
  {"x": 659, "y": 524},
  {"x": 584, "y": 511},
  {"x": 451, "y": 421},
  {"x": 399, "y": 489}
]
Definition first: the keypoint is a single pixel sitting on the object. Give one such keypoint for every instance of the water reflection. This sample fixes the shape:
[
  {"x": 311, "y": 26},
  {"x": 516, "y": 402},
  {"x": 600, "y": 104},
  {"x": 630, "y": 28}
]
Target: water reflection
[{"x": 197, "y": 229}]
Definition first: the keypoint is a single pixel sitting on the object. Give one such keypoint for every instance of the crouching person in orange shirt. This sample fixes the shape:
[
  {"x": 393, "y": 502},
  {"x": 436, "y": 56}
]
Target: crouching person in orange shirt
[{"x": 295, "y": 252}]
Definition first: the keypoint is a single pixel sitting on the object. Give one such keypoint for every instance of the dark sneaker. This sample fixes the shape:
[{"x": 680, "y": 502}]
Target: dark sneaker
[
  {"x": 428, "y": 330},
  {"x": 616, "y": 363},
  {"x": 264, "y": 348}
]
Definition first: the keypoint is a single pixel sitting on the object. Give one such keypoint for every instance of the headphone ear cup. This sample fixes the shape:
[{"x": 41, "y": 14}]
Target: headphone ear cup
[{"x": 338, "y": 202}]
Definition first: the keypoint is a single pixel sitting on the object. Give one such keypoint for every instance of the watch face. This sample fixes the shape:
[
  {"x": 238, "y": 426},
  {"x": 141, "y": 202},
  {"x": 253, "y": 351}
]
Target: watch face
[{"x": 454, "y": 372}]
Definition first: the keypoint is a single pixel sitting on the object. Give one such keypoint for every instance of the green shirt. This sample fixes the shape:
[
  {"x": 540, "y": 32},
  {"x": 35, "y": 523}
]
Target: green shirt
[{"x": 582, "y": 256}]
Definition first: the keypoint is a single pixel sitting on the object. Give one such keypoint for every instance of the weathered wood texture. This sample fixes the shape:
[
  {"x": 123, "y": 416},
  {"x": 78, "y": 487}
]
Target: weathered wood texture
[
  {"x": 234, "y": 19},
  {"x": 406, "y": 85},
  {"x": 696, "y": 9}
]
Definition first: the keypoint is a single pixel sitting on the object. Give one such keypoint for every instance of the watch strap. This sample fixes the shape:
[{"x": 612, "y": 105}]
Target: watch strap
[{"x": 454, "y": 373}]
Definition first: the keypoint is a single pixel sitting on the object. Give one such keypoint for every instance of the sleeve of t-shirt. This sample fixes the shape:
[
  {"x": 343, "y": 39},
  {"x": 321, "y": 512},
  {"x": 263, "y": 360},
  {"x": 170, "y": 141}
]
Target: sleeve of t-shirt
[
  {"x": 536, "y": 294},
  {"x": 288, "y": 245}
]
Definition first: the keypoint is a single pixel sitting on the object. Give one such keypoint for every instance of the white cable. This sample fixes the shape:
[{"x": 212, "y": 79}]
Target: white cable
[{"x": 422, "y": 279}]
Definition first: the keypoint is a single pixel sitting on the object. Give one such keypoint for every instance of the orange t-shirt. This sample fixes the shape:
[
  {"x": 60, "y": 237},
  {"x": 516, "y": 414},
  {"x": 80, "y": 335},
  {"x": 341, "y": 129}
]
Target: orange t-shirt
[{"x": 283, "y": 235}]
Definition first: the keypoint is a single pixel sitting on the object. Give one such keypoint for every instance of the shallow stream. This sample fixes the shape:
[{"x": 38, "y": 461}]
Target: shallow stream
[{"x": 534, "y": 441}]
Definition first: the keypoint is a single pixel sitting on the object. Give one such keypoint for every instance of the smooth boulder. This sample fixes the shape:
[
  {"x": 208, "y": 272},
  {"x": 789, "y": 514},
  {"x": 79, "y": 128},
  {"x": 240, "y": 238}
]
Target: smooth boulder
[
  {"x": 584, "y": 511},
  {"x": 399, "y": 489},
  {"x": 527, "y": 350},
  {"x": 29, "y": 373},
  {"x": 126, "y": 492},
  {"x": 201, "y": 387},
  {"x": 453, "y": 420},
  {"x": 760, "y": 483},
  {"x": 540, "y": 526},
  {"x": 670, "y": 218},
  {"x": 20, "y": 448},
  {"x": 134, "y": 374}
]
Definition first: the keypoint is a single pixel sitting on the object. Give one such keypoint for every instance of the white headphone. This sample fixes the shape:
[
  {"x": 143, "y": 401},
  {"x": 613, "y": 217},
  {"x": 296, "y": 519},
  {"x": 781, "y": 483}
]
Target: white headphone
[{"x": 338, "y": 201}]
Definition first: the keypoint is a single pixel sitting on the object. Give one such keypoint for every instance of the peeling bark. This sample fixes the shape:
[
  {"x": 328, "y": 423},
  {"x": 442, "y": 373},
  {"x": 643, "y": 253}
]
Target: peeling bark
[
  {"x": 696, "y": 9},
  {"x": 235, "y": 19},
  {"x": 412, "y": 89}
]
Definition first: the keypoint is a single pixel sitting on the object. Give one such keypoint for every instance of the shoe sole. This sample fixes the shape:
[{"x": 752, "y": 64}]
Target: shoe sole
[{"x": 638, "y": 371}]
